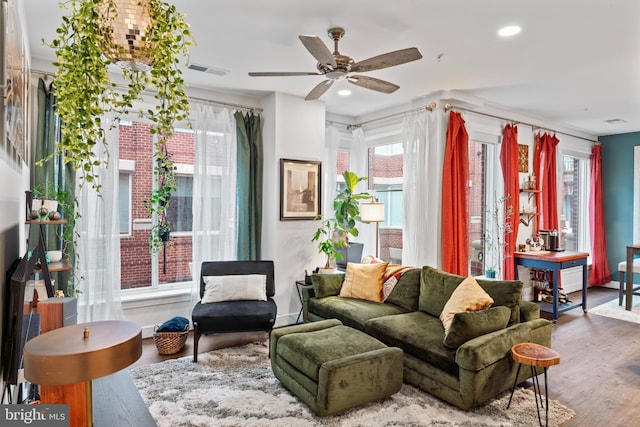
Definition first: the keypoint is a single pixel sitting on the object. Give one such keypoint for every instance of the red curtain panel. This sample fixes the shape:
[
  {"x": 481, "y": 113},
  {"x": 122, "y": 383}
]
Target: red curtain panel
[
  {"x": 509, "y": 163},
  {"x": 600, "y": 273},
  {"x": 544, "y": 167},
  {"x": 455, "y": 207}
]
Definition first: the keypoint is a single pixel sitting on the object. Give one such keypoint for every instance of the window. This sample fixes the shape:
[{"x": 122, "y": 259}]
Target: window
[
  {"x": 574, "y": 222},
  {"x": 180, "y": 214},
  {"x": 483, "y": 194},
  {"x": 124, "y": 202},
  {"x": 172, "y": 266},
  {"x": 385, "y": 180}
]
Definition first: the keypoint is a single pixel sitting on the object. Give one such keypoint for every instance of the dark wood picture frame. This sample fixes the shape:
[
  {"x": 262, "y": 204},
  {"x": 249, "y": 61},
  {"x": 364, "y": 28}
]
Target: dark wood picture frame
[{"x": 300, "y": 189}]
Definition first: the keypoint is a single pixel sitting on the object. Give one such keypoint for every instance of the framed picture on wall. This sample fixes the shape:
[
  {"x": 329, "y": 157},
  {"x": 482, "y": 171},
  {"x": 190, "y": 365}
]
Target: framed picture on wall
[{"x": 300, "y": 191}]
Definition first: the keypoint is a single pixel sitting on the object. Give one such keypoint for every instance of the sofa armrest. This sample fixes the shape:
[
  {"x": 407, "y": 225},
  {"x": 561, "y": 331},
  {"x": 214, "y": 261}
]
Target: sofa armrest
[
  {"x": 529, "y": 311},
  {"x": 307, "y": 293},
  {"x": 480, "y": 352}
]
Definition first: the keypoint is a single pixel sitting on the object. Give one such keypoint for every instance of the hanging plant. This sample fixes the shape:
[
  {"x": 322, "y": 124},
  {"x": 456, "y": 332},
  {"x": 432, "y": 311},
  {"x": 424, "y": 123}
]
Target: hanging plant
[{"x": 147, "y": 46}]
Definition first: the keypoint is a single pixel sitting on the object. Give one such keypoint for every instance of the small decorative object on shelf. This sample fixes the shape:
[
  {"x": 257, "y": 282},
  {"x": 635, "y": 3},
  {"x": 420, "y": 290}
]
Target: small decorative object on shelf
[{"x": 530, "y": 183}]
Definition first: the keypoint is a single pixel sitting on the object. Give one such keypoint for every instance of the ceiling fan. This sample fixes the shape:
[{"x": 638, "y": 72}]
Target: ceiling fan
[{"x": 336, "y": 66}]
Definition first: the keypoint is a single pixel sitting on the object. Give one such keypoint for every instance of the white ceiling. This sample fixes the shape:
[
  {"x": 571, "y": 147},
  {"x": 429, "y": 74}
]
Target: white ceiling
[{"x": 576, "y": 63}]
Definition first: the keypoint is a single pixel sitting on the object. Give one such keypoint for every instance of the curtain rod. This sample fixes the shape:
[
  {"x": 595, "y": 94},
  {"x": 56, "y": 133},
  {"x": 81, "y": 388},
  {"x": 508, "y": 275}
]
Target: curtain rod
[
  {"x": 46, "y": 74},
  {"x": 429, "y": 107},
  {"x": 448, "y": 107}
]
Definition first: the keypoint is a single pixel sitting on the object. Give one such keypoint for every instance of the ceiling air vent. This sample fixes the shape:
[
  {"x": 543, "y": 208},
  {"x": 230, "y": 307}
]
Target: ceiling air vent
[
  {"x": 207, "y": 69},
  {"x": 615, "y": 121}
]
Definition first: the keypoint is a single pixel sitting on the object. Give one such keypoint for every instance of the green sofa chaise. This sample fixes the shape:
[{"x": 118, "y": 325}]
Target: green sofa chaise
[{"x": 473, "y": 364}]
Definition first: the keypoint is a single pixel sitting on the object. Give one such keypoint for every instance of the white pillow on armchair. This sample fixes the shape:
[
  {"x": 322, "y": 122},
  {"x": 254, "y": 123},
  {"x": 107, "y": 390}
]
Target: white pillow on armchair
[{"x": 247, "y": 287}]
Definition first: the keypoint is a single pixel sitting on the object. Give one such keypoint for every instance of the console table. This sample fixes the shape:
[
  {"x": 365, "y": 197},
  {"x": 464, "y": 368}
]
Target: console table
[
  {"x": 556, "y": 261},
  {"x": 66, "y": 360},
  {"x": 632, "y": 251}
]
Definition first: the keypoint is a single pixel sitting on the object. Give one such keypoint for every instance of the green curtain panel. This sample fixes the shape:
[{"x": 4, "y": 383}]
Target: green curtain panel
[
  {"x": 249, "y": 185},
  {"x": 53, "y": 173}
]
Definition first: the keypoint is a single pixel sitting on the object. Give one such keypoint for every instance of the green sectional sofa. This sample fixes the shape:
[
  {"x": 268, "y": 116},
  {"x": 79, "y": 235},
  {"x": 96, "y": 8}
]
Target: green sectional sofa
[{"x": 473, "y": 364}]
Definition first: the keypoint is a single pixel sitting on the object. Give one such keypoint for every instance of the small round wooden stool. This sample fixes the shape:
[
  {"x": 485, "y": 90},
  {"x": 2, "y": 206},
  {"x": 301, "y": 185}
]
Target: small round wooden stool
[{"x": 534, "y": 355}]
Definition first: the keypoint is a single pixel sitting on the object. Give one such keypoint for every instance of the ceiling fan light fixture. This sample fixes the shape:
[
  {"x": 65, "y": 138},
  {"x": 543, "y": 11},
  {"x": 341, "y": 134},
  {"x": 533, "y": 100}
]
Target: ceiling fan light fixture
[
  {"x": 344, "y": 92},
  {"x": 509, "y": 30}
]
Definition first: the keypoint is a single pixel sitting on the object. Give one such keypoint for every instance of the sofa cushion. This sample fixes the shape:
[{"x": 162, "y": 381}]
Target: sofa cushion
[
  {"x": 326, "y": 285},
  {"x": 364, "y": 281},
  {"x": 418, "y": 334},
  {"x": 468, "y": 296},
  {"x": 352, "y": 312},
  {"x": 436, "y": 287},
  {"x": 468, "y": 325},
  {"x": 506, "y": 293},
  {"x": 406, "y": 292}
]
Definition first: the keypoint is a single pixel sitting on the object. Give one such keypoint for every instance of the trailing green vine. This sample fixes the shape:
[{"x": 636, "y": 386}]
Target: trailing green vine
[{"x": 85, "y": 92}]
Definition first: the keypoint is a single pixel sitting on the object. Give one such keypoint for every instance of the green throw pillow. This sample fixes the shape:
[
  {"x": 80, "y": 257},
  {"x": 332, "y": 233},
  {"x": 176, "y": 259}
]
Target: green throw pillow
[
  {"x": 436, "y": 287},
  {"x": 506, "y": 293},
  {"x": 406, "y": 292},
  {"x": 326, "y": 285},
  {"x": 472, "y": 324}
]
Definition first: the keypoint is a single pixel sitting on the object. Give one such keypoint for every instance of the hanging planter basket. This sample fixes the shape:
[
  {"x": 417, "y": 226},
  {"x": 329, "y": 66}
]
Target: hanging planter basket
[{"x": 125, "y": 27}]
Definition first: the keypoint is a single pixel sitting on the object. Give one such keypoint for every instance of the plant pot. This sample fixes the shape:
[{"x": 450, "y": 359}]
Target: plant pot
[
  {"x": 350, "y": 253},
  {"x": 490, "y": 274},
  {"x": 49, "y": 205},
  {"x": 327, "y": 270},
  {"x": 165, "y": 236}
]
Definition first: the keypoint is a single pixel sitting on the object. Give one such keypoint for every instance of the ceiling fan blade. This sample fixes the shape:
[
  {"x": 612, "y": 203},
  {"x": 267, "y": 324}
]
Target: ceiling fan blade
[
  {"x": 319, "y": 90},
  {"x": 276, "y": 74},
  {"x": 373, "y": 84},
  {"x": 387, "y": 60},
  {"x": 319, "y": 50}
]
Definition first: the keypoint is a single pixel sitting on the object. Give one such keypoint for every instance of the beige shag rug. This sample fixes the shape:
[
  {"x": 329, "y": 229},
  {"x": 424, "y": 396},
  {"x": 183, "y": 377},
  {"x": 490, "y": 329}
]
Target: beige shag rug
[
  {"x": 612, "y": 309},
  {"x": 235, "y": 387}
]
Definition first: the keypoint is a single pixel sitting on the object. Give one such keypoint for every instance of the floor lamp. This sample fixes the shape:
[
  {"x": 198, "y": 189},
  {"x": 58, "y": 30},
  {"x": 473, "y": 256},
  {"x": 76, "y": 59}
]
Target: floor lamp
[{"x": 372, "y": 211}]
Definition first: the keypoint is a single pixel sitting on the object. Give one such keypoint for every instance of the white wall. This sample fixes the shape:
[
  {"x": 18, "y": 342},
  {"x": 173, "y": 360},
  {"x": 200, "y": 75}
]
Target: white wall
[{"x": 293, "y": 129}]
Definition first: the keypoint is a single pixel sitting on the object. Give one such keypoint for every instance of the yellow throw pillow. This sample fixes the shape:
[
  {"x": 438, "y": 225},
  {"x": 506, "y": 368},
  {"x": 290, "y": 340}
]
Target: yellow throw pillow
[
  {"x": 468, "y": 296},
  {"x": 364, "y": 281}
]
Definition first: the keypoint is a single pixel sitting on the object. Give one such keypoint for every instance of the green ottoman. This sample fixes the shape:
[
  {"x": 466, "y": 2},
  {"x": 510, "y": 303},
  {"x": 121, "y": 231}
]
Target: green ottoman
[{"x": 332, "y": 367}]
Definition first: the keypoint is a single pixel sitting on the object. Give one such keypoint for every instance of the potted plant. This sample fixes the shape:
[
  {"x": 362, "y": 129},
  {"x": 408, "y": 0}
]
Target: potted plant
[
  {"x": 86, "y": 44},
  {"x": 327, "y": 244},
  {"x": 346, "y": 207}
]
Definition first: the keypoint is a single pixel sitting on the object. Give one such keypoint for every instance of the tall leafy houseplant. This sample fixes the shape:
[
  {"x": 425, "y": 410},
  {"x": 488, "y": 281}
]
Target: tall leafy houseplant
[
  {"x": 333, "y": 233},
  {"x": 346, "y": 206},
  {"x": 85, "y": 92}
]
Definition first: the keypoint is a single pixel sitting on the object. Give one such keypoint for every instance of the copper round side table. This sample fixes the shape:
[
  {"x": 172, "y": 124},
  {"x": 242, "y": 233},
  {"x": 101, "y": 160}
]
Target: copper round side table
[
  {"x": 69, "y": 358},
  {"x": 534, "y": 355}
]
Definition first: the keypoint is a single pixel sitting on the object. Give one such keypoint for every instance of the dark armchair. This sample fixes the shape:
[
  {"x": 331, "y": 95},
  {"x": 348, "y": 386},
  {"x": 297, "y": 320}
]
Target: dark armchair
[{"x": 234, "y": 316}]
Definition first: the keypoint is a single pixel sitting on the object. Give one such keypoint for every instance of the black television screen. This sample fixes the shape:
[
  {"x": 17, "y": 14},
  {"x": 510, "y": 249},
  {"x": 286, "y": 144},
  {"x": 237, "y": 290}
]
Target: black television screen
[{"x": 18, "y": 327}]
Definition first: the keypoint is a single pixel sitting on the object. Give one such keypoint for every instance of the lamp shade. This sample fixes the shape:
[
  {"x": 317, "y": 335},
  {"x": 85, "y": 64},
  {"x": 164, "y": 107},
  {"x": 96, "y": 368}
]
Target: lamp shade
[{"x": 372, "y": 212}]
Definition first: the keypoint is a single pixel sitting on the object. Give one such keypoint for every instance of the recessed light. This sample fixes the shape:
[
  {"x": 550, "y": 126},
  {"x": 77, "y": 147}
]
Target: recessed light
[
  {"x": 344, "y": 92},
  {"x": 510, "y": 30}
]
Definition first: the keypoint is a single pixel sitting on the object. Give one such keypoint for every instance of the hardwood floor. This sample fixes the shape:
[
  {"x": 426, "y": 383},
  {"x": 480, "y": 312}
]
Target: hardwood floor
[{"x": 598, "y": 376}]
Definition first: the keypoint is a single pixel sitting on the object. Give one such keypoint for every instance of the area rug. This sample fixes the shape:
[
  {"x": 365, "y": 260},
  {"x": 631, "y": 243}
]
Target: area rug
[
  {"x": 612, "y": 309},
  {"x": 235, "y": 387}
]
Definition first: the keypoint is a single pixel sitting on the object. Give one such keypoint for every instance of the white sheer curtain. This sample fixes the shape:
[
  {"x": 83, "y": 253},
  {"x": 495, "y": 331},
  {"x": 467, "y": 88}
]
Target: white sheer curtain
[
  {"x": 98, "y": 244},
  {"x": 329, "y": 171},
  {"x": 421, "y": 190},
  {"x": 214, "y": 188},
  {"x": 359, "y": 163}
]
